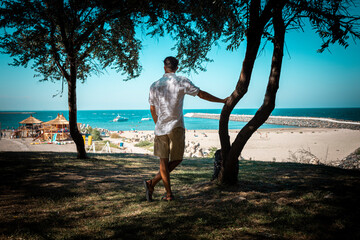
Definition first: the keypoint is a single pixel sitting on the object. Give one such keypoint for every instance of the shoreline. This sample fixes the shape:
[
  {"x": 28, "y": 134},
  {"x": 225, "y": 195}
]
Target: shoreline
[
  {"x": 305, "y": 145},
  {"x": 313, "y": 122},
  {"x": 103, "y": 118}
]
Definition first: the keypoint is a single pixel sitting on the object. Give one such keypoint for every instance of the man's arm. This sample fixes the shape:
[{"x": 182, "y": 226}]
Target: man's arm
[
  {"x": 208, "y": 97},
  {"x": 153, "y": 113}
]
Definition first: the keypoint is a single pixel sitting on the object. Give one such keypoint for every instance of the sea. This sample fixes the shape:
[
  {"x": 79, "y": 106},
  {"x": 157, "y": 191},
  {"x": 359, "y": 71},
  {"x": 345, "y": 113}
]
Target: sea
[{"x": 141, "y": 119}]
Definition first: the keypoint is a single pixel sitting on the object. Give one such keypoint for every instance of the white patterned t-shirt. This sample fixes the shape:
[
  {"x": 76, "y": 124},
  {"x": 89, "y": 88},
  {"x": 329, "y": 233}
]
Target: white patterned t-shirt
[{"x": 167, "y": 95}]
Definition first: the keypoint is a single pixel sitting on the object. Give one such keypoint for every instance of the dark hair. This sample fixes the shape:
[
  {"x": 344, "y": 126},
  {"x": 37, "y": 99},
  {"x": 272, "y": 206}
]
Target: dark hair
[{"x": 171, "y": 63}]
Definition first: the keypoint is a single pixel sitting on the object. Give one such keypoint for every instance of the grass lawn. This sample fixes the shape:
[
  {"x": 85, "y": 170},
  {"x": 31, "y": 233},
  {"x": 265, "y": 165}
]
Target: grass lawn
[{"x": 56, "y": 196}]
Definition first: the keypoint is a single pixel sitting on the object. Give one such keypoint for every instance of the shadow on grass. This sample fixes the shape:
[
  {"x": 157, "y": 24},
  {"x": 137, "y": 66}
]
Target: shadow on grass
[
  {"x": 54, "y": 195},
  {"x": 59, "y": 176}
]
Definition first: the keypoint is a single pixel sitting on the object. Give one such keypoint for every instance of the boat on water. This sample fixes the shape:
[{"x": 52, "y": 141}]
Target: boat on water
[
  {"x": 145, "y": 119},
  {"x": 120, "y": 119}
]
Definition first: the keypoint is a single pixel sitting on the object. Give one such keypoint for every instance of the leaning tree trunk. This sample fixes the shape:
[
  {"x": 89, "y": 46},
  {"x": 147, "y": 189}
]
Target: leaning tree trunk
[
  {"x": 74, "y": 131},
  {"x": 229, "y": 173},
  {"x": 229, "y": 169}
]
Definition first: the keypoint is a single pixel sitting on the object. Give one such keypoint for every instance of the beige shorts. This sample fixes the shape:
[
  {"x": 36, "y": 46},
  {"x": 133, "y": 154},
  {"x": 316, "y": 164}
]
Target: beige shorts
[{"x": 171, "y": 145}]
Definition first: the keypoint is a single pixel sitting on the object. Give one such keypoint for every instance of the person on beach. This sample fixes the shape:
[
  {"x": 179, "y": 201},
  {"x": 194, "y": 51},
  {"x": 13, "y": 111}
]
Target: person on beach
[{"x": 166, "y": 105}]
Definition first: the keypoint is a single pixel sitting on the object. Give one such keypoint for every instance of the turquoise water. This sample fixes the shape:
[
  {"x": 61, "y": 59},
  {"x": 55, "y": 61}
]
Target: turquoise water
[{"x": 103, "y": 118}]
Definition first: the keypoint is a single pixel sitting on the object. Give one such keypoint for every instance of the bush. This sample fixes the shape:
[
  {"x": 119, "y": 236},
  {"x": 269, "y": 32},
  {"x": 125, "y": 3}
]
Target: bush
[
  {"x": 95, "y": 135},
  {"x": 144, "y": 144},
  {"x": 114, "y": 135},
  {"x": 357, "y": 152},
  {"x": 86, "y": 130},
  {"x": 212, "y": 151},
  {"x": 99, "y": 146}
]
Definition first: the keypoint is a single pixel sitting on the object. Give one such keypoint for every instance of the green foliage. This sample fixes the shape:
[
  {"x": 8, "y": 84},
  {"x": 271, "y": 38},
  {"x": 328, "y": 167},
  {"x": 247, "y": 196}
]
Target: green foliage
[
  {"x": 357, "y": 152},
  {"x": 52, "y": 36},
  {"x": 212, "y": 151},
  {"x": 99, "y": 145},
  {"x": 113, "y": 145},
  {"x": 114, "y": 135},
  {"x": 96, "y": 135},
  {"x": 87, "y": 130},
  {"x": 144, "y": 144},
  {"x": 204, "y": 24}
]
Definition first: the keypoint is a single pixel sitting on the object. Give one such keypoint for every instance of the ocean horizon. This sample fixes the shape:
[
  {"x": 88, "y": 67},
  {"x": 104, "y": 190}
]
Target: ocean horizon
[{"x": 141, "y": 119}]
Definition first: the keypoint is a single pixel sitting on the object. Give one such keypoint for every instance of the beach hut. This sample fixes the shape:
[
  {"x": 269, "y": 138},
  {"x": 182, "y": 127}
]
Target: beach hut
[
  {"x": 29, "y": 126},
  {"x": 56, "y": 129}
]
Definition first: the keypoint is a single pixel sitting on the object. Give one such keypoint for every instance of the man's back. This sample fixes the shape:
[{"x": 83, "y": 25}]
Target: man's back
[{"x": 167, "y": 95}]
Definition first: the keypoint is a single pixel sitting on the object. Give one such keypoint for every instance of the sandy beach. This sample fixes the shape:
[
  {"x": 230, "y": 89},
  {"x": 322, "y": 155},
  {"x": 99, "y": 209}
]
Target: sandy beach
[{"x": 310, "y": 145}]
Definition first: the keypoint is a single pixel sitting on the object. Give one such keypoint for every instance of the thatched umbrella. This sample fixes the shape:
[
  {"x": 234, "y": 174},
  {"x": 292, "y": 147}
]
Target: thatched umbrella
[
  {"x": 57, "y": 124},
  {"x": 29, "y": 123},
  {"x": 59, "y": 120}
]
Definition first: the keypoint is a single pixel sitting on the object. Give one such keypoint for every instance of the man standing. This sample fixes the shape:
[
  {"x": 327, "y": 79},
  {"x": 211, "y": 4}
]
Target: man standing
[{"x": 166, "y": 105}]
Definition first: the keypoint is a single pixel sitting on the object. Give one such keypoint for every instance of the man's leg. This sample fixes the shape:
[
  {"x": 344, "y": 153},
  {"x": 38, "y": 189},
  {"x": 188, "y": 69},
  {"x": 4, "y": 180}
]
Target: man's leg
[
  {"x": 162, "y": 150},
  {"x": 175, "y": 138},
  {"x": 177, "y": 146},
  {"x": 171, "y": 166},
  {"x": 165, "y": 175}
]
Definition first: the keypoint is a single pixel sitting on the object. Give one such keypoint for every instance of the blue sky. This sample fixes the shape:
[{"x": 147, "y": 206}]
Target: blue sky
[{"x": 308, "y": 79}]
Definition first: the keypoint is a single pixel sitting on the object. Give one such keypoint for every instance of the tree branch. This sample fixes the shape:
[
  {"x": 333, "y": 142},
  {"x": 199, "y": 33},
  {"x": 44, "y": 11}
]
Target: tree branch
[
  {"x": 253, "y": 43},
  {"x": 99, "y": 21},
  {"x": 55, "y": 53},
  {"x": 91, "y": 48},
  {"x": 273, "y": 84}
]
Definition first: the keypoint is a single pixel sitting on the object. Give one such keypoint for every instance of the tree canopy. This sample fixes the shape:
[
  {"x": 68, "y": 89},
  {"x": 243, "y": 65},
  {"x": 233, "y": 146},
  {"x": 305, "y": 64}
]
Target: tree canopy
[
  {"x": 49, "y": 33},
  {"x": 73, "y": 38},
  {"x": 234, "y": 21},
  {"x": 205, "y": 23}
]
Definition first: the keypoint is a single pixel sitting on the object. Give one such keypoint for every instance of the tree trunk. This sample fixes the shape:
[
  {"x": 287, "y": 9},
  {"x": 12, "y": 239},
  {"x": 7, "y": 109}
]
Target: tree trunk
[
  {"x": 229, "y": 169},
  {"x": 229, "y": 172},
  {"x": 74, "y": 131}
]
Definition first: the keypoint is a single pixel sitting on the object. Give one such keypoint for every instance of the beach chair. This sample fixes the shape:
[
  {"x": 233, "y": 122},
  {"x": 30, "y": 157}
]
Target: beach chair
[
  {"x": 92, "y": 148},
  {"x": 53, "y": 140}
]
